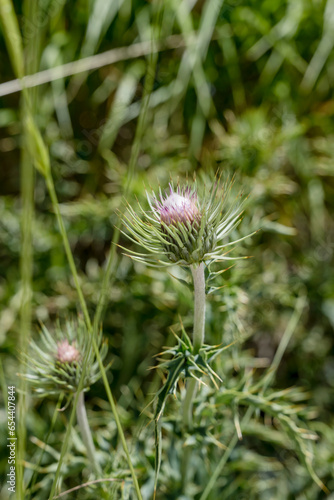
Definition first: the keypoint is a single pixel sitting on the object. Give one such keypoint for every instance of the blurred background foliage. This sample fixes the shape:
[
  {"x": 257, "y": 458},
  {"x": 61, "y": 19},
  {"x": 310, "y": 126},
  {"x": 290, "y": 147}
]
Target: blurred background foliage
[{"x": 242, "y": 87}]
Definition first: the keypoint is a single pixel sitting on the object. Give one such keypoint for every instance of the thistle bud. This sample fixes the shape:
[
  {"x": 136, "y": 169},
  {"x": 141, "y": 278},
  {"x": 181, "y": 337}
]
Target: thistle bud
[
  {"x": 57, "y": 366},
  {"x": 180, "y": 220},
  {"x": 183, "y": 226}
]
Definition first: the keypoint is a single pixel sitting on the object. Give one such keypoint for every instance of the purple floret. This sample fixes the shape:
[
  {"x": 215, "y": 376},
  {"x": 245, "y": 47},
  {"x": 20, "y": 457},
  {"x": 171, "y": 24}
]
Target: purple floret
[{"x": 178, "y": 207}]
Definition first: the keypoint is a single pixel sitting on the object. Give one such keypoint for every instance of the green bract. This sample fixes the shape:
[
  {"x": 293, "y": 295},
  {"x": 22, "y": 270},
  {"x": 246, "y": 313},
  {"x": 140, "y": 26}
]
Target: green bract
[
  {"x": 55, "y": 364},
  {"x": 183, "y": 226}
]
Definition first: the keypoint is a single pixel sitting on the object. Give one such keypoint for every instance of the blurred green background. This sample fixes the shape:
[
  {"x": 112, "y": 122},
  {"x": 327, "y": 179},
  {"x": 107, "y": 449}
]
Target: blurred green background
[{"x": 240, "y": 87}]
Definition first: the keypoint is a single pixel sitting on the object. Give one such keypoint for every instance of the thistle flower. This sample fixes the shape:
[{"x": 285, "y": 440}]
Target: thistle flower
[
  {"x": 55, "y": 365},
  {"x": 184, "y": 226}
]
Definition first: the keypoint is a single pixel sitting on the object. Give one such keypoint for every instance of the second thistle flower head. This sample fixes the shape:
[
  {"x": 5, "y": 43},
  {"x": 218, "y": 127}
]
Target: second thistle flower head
[
  {"x": 55, "y": 363},
  {"x": 184, "y": 226}
]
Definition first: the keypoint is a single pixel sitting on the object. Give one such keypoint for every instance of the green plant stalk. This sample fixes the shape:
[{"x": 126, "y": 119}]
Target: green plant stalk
[
  {"x": 135, "y": 150},
  {"x": 54, "y": 200},
  {"x": 68, "y": 251},
  {"x": 191, "y": 389},
  {"x": 26, "y": 259},
  {"x": 198, "y": 339},
  {"x": 199, "y": 306},
  {"x": 86, "y": 432},
  {"x": 12, "y": 35},
  {"x": 27, "y": 174}
]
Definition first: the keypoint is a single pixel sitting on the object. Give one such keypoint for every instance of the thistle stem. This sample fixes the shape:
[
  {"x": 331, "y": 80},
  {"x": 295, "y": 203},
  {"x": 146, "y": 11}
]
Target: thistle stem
[
  {"x": 198, "y": 339},
  {"x": 188, "y": 403},
  {"x": 86, "y": 432},
  {"x": 199, "y": 306}
]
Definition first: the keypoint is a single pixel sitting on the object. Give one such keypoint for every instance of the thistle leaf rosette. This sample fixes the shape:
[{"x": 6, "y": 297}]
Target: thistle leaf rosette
[
  {"x": 54, "y": 364},
  {"x": 184, "y": 226}
]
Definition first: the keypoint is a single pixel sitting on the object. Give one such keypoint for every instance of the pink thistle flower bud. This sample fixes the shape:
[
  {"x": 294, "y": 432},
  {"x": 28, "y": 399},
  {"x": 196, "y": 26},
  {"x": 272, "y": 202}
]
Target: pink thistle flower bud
[
  {"x": 179, "y": 207},
  {"x": 186, "y": 225},
  {"x": 180, "y": 218},
  {"x": 66, "y": 352},
  {"x": 56, "y": 366}
]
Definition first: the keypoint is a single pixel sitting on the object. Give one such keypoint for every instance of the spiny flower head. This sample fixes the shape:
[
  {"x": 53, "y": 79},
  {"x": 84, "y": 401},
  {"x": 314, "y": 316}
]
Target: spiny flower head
[
  {"x": 54, "y": 364},
  {"x": 185, "y": 225}
]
